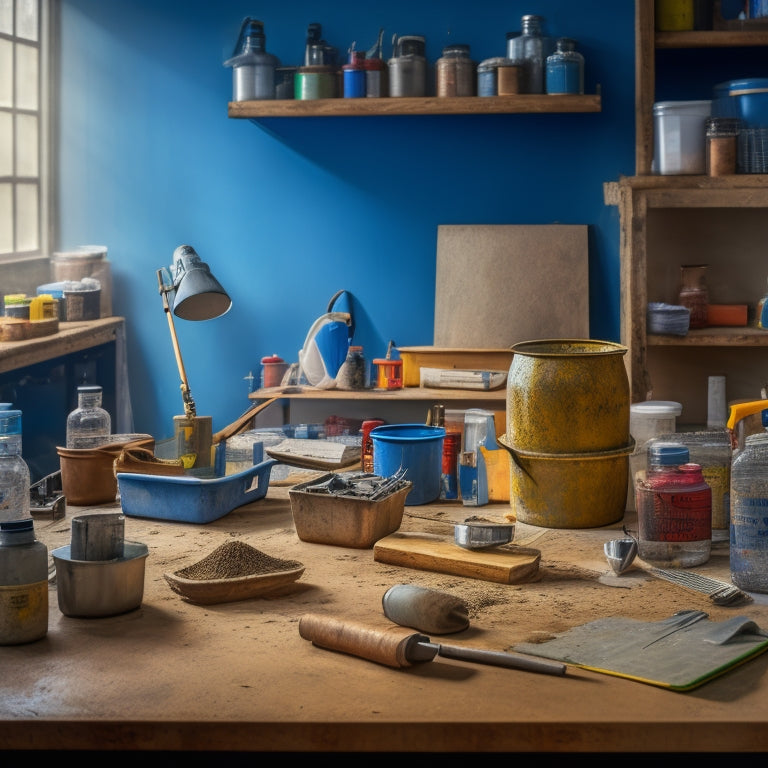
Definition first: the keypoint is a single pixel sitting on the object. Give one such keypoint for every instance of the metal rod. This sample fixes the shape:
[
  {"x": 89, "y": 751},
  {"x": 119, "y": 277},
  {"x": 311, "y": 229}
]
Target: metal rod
[{"x": 189, "y": 404}]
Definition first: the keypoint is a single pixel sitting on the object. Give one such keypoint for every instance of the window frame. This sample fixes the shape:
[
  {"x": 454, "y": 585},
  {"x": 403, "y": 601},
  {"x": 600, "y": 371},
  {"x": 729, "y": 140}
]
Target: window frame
[{"x": 47, "y": 87}]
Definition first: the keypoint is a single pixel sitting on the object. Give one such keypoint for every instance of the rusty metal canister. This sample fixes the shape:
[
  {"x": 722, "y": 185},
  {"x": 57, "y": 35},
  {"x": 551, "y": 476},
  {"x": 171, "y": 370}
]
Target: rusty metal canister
[
  {"x": 568, "y": 432},
  {"x": 568, "y": 396}
]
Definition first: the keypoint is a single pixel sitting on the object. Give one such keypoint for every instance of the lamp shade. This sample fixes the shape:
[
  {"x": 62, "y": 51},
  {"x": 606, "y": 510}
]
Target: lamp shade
[{"x": 199, "y": 295}]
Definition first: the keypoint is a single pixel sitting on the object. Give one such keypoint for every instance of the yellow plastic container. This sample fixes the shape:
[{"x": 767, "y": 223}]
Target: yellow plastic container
[{"x": 674, "y": 15}]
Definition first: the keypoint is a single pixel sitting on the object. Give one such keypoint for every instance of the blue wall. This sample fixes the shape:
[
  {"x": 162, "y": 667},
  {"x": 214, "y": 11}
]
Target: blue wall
[{"x": 288, "y": 211}]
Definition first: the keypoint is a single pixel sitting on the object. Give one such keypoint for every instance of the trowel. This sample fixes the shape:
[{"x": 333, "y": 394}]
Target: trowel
[{"x": 397, "y": 646}]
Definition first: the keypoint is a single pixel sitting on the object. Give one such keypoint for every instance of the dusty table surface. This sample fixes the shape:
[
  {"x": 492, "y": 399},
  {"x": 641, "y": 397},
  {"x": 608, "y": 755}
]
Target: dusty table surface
[{"x": 172, "y": 675}]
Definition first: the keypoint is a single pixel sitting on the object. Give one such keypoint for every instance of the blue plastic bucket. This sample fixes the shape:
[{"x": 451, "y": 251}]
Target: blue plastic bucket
[{"x": 418, "y": 449}]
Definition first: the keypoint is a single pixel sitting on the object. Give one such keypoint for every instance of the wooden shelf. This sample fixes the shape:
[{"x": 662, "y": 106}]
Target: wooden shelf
[
  {"x": 713, "y": 337},
  {"x": 71, "y": 337},
  {"x": 406, "y": 394},
  {"x": 716, "y": 38},
  {"x": 430, "y": 105}
]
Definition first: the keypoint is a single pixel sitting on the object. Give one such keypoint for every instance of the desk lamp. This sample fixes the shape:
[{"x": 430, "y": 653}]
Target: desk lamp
[{"x": 191, "y": 292}]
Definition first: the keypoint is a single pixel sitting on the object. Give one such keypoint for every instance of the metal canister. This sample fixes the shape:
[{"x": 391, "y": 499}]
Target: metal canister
[
  {"x": 487, "y": 71},
  {"x": 367, "y": 443},
  {"x": 354, "y": 75},
  {"x": 315, "y": 82},
  {"x": 455, "y": 72},
  {"x": 408, "y": 67}
]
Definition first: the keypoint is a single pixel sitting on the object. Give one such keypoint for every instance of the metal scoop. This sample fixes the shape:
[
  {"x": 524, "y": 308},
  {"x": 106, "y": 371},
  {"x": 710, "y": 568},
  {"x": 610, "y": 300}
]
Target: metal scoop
[{"x": 620, "y": 553}]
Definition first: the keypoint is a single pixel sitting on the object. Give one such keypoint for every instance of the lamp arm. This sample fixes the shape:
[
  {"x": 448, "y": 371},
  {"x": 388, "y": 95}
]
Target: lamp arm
[{"x": 189, "y": 404}]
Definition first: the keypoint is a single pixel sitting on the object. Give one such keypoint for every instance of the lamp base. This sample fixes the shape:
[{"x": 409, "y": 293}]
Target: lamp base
[{"x": 194, "y": 438}]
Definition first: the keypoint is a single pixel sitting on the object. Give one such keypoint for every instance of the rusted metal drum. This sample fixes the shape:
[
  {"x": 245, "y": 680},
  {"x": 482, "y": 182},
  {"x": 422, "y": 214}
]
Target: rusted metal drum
[
  {"x": 568, "y": 432},
  {"x": 567, "y": 396},
  {"x": 569, "y": 490}
]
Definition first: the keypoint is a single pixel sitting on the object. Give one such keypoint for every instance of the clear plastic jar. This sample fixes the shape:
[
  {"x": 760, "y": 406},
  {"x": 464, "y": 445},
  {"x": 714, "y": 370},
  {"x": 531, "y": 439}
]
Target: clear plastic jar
[
  {"x": 565, "y": 68},
  {"x": 674, "y": 509},
  {"x": 722, "y": 145},
  {"x": 531, "y": 47},
  {"x": 455, "y": 72},
  {"x": 749, "y": 523},
  {"x": 23, "y": 583},
  {"x": 711, "y": 450},
  {"x": 89, "y": 425},
  {"x": 14, "y": 472}
]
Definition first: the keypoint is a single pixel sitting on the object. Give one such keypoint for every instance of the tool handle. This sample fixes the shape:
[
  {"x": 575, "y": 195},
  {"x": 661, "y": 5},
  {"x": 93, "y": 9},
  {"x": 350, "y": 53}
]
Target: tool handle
[
  {"x": 385, "y": 645},
  {"x": 501, "y": 659}
]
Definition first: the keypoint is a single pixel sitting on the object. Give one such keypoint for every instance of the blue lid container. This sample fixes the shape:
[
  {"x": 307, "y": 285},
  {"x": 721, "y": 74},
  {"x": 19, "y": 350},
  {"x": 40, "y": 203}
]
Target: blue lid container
[{"x": 746, "y": 100}]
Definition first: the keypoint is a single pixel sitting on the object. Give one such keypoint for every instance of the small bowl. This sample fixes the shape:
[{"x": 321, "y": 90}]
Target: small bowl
[
  {"x": 620, "y": 553},
  {"x": 212, "y": 591},
  {"x": 479, "y": 534},
  {"x": 94, "y": 588}
]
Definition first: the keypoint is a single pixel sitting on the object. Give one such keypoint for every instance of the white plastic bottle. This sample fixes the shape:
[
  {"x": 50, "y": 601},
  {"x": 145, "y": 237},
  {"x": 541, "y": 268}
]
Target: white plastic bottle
[
  {"x": 23, "y": 583},
  {"x": 89, "y": 425},
  {"x": 14, "y": 472}
]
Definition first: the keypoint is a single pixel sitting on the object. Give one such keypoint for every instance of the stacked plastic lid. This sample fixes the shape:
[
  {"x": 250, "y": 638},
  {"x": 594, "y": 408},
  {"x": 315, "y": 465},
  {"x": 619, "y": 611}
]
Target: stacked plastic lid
[{"x": 672, "y": 319}]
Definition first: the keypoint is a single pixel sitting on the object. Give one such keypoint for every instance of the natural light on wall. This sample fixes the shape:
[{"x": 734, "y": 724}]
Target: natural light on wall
[{"x": 24, "y": 96}]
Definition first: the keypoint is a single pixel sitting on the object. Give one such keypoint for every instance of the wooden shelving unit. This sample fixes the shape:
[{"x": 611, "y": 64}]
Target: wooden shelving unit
[{"x": 668, "y": 221}]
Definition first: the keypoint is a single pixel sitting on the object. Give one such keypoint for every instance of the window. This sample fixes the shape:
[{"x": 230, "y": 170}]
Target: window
[{"x": 26, "y": 180}]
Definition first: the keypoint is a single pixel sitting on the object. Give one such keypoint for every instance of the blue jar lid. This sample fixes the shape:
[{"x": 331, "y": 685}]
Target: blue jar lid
[
  {"x": 669, "y": 454},
  {"x": 10, "y": 422}
]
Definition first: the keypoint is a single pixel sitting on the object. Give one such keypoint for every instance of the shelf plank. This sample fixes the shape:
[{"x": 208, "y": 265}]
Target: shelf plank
[
  {"x": 713, "y": 337},
  {"x": 429, "y": 105},
  {"x": 406, "y": 394},
  {"x": 716, "y": 38},
  {"x": 71, "y": 337}
]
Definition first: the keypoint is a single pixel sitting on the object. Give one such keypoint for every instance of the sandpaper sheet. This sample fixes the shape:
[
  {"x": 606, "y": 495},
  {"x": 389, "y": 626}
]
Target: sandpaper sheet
[
  {"x": 497, "y": 285},
  {"x": 680, "y": 653}
]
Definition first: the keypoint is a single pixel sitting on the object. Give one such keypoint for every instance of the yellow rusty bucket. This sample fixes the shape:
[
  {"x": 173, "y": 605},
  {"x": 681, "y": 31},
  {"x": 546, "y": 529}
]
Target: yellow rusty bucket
[
  {"x": 568, "y": 490},
  {"x": 567, "y": 396}
]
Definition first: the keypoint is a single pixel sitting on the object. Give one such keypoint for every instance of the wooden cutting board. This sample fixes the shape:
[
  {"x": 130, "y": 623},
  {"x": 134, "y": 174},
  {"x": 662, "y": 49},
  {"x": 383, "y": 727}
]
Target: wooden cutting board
[
  {"x": 506, "y": 564},
  {"x": 498, "y": 284}
]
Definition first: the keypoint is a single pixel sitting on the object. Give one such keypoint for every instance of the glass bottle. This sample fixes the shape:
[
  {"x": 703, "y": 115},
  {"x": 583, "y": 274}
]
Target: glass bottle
[
  {"x": 762, "y": 309},
  {"x": 455, "y": 72},
  {"x": 674, "y": 509},
  {"x": 711, "y": 450},
  {"x": 694, "y": 293},
  {"x": 531, "y": 47},
  {"x": 749, "y": 525},
  {"x": 89, "y": 425},
  {"x": 14, "y": 472},
  {"x": 253, "y": 69},
  {"x": 565, "y": 68},
  {"x": 721, "y": 135},
  {"x": 23, "y": 583},
  {"x": 353, "y": 373}
]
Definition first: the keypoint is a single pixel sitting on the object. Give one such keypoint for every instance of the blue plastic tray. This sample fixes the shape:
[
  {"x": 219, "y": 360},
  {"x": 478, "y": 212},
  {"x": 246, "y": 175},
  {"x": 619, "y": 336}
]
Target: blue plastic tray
[{"x": 191, "y": 499}]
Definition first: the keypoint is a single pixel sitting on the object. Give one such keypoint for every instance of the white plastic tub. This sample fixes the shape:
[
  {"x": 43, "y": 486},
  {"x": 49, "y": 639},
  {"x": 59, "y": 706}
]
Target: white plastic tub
[{"x": 679, "y": 136}]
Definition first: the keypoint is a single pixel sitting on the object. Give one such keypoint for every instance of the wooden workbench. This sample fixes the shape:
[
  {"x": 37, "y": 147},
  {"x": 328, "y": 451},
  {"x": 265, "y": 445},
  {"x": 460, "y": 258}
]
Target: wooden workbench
[{"x": 238, "y": 678}]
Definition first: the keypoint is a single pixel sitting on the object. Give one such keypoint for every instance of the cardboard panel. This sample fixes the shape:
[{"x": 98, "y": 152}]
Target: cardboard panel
[{"x": 497, "y": 285}]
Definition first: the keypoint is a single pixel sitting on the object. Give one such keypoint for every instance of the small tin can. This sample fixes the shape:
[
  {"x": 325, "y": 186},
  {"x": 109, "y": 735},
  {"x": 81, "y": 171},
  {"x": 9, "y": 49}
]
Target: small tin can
[
  {"x": 375, "y": 78},
  {"x": 487, "y": 75},
  {"x": 354, "y": 76},
  {"x": 315, "y": 82}
]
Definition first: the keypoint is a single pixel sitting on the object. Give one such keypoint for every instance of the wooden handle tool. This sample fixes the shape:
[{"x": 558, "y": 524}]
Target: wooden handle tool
[{"x": 397, "y": 646}]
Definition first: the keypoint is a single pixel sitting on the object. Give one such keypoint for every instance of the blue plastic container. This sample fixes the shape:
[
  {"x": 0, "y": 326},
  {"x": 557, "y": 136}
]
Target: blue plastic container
[
  {"x": 746, "y": 100},
  {"x": 418, "y": 449}
]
